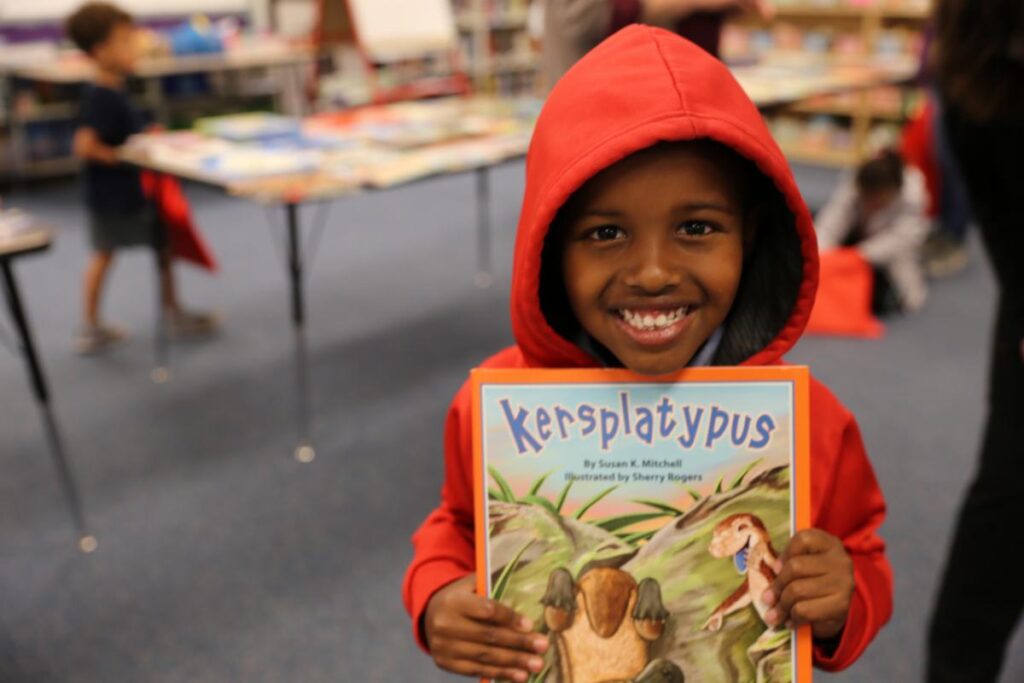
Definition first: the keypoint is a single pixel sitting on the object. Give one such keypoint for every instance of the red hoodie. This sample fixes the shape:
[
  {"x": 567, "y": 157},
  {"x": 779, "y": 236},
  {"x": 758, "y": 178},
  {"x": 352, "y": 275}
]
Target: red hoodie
[{"x": 637, "y": 88}]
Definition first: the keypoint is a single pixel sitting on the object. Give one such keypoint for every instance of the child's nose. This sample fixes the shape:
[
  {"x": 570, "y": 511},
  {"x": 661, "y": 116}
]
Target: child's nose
[{"x": 653, "y": 270}]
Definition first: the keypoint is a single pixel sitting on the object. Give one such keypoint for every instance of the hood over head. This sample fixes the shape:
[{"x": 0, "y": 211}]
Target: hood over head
[{"x": 640, "y": 87}]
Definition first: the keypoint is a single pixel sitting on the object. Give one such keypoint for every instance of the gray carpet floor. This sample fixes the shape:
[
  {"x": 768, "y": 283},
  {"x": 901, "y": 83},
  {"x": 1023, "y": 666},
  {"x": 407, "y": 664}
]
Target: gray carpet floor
[{"x": 222, "y": 559}]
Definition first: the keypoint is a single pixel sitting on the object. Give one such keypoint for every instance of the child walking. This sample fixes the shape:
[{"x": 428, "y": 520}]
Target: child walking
[
  {"x": 119, "y": 215},
  {"x": 661, "y": 228},
  {"x": 881, "y": 211}
]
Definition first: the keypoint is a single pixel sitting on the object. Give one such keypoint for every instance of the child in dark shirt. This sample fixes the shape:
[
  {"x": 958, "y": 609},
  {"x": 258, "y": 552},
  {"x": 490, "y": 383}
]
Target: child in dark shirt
[{"x": 119, "y": 214}]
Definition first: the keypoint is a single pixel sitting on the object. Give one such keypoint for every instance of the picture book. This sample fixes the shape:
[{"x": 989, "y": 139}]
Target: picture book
[{"x": 637, "y": 521}]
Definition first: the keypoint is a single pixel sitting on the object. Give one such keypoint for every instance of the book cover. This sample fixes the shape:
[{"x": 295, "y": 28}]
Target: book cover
[{"x": 637, "y": 521}]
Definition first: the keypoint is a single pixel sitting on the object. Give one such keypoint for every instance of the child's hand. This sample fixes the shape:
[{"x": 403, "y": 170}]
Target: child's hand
[
  {"x": 475, "y": 636},
  {"x": 814, "y": 587}
]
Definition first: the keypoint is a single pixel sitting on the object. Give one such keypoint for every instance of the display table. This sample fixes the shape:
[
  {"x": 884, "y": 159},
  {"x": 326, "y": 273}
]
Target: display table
[{"x": 21, "y": 236}]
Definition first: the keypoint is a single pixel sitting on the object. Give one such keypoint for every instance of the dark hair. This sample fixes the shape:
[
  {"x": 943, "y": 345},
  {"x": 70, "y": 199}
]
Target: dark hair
[
  {"x": 767, "y": 293},
  {"x": 979, "y": 56},
  {"x": 884, "y": 172},
  {"x": 92, "y": 23}
]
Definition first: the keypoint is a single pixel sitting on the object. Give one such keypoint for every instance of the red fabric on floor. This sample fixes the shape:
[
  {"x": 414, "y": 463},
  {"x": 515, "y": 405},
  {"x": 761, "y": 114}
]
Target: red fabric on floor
[{"x": 843, "y": 306}]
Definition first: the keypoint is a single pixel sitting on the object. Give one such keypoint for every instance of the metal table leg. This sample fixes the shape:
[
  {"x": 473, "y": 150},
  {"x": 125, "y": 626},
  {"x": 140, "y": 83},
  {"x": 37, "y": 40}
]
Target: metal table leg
[
  {"x": 86, "y": 541},
  {"x": 304, "y": 451},
  {"x": 161, "y": 371},
  {"x": 483, "y": 277}
]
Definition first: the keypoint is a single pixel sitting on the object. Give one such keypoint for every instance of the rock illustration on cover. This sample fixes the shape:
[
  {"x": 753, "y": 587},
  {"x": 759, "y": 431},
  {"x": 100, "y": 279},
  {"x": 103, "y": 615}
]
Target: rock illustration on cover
[{"x": 603, "y": 626}]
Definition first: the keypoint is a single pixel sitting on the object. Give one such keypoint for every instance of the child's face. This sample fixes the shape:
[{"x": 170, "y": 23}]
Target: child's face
[
  {"x": 119, "y": 51},
  {"x": 653, "y": 252}
]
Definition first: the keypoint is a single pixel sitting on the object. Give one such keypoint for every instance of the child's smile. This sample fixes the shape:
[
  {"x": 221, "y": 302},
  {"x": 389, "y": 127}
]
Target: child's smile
[
  {"x": 653, "y": 253},
  {"x": 655, "y": 325}
]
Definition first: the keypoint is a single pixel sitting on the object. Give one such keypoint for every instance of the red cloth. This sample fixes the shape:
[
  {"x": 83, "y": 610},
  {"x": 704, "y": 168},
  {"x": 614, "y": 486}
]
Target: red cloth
[
  {"x": 918, "y": 149},
  {"x": 677, "y": 92},
  {"x": 843, "y": 304},
  {"x": 184, "y": 238}
]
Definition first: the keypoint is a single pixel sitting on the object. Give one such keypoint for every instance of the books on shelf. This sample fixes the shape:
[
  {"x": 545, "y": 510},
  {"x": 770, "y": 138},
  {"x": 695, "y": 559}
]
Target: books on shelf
[{"x": 497, "y": 41}]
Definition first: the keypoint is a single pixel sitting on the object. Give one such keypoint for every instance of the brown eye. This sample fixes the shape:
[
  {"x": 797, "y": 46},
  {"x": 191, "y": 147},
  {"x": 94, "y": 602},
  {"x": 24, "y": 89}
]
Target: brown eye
[
  {"x": 605, "y": 233},
  {"x": 696, "y": 229}
]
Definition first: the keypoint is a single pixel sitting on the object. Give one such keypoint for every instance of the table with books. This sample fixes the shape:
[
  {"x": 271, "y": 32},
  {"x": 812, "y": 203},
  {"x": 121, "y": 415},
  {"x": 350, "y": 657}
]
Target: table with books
[{"x": 287, "y": 162}]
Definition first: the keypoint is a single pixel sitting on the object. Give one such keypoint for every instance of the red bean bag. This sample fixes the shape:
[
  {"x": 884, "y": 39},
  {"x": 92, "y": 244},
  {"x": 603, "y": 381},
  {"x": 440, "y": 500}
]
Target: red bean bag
[{"x": 843, "y": 305}]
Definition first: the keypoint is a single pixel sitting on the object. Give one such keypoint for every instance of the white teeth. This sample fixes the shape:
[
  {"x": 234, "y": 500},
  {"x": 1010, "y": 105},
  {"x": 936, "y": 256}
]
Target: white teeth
[{"x": 651, "y": 322}]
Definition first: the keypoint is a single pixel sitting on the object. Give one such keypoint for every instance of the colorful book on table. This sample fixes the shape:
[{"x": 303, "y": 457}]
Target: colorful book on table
[{"x": 638, "y": 521}]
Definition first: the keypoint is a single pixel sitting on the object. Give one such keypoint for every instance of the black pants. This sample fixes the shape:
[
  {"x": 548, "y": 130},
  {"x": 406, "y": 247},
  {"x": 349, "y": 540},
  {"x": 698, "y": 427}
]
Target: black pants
[{"x": 981, "y": 596}]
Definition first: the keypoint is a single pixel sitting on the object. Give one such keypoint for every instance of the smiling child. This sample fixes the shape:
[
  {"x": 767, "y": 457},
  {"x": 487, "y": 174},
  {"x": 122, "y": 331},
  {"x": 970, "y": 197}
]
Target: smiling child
[{"x": 661, "y": 229}]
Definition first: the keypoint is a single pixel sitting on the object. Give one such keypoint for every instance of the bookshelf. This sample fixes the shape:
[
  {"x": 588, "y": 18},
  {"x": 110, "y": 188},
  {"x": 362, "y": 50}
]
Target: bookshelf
[
  {"x": 495, "y": 39},
  {"x": 837, "y": 131}
]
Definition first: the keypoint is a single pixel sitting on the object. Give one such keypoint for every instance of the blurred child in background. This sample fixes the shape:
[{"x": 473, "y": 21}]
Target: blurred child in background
[
  {"x": 119, "y": 214},
  {"x": 881, "y": 210}
]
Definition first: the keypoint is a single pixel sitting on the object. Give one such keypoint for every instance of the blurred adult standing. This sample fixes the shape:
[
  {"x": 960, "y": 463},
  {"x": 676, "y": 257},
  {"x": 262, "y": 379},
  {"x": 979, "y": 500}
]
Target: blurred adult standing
[
  {"x": 573, "y": 27},
  {"x": 980, "y": 66}
]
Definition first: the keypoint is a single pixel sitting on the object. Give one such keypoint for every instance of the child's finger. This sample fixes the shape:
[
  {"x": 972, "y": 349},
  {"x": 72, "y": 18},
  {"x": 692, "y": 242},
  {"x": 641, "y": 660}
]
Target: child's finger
[
  {"x": 486, "y": 655},
  {"x": 469, "y": 668},
  {"x": 480, "y": 608},
  {"x": 823, "y": 609},
  {"x": 794, "y": 569},
  {"x": 801, "y": 591},
  {"x": 486, "y": 633},
  {"x": 808, "y": 542}
]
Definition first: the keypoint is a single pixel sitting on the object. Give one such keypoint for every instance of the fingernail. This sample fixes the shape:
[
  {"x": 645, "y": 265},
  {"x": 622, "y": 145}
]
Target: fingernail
[
  {"x": 520, "y": 676},
  {"x": 525, "y": 623},
  {"x": 540, "y": 645},
  {"x": 536, "y": 664},
  {"x": 772, "y": 616},
  {"x": 769, "y": 597}
]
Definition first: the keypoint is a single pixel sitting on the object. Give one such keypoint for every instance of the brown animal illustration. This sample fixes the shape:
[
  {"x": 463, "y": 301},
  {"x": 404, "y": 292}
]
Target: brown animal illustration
[
  {"x": 745, "y": 538},
  {"x": 595, "y": 641}
]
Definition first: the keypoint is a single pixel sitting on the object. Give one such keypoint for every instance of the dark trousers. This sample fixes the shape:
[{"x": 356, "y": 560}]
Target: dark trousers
[
  {"x": 954, "y": 206},
  {"x": 981, "y": 596}
]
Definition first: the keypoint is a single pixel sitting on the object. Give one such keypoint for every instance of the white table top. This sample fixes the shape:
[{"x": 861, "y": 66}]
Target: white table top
[
  {"x": 30, "y": 237},
  {"x": 73, "y": 68}
]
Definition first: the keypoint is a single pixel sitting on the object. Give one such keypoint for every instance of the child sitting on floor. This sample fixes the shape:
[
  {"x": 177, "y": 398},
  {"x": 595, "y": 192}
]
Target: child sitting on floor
[{"x": 881, "y": 211}]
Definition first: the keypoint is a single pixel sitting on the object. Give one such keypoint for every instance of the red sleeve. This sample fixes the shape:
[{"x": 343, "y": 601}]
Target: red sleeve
[
  {"x": 847, "y": 502},
  {"x": 624, "y": 13},
  {"x": 443, "y": 545}
]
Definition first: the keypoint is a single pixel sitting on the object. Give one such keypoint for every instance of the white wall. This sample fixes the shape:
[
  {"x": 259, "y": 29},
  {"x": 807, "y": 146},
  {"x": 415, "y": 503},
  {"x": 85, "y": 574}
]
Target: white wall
[{"x": 44, "y": 11}]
